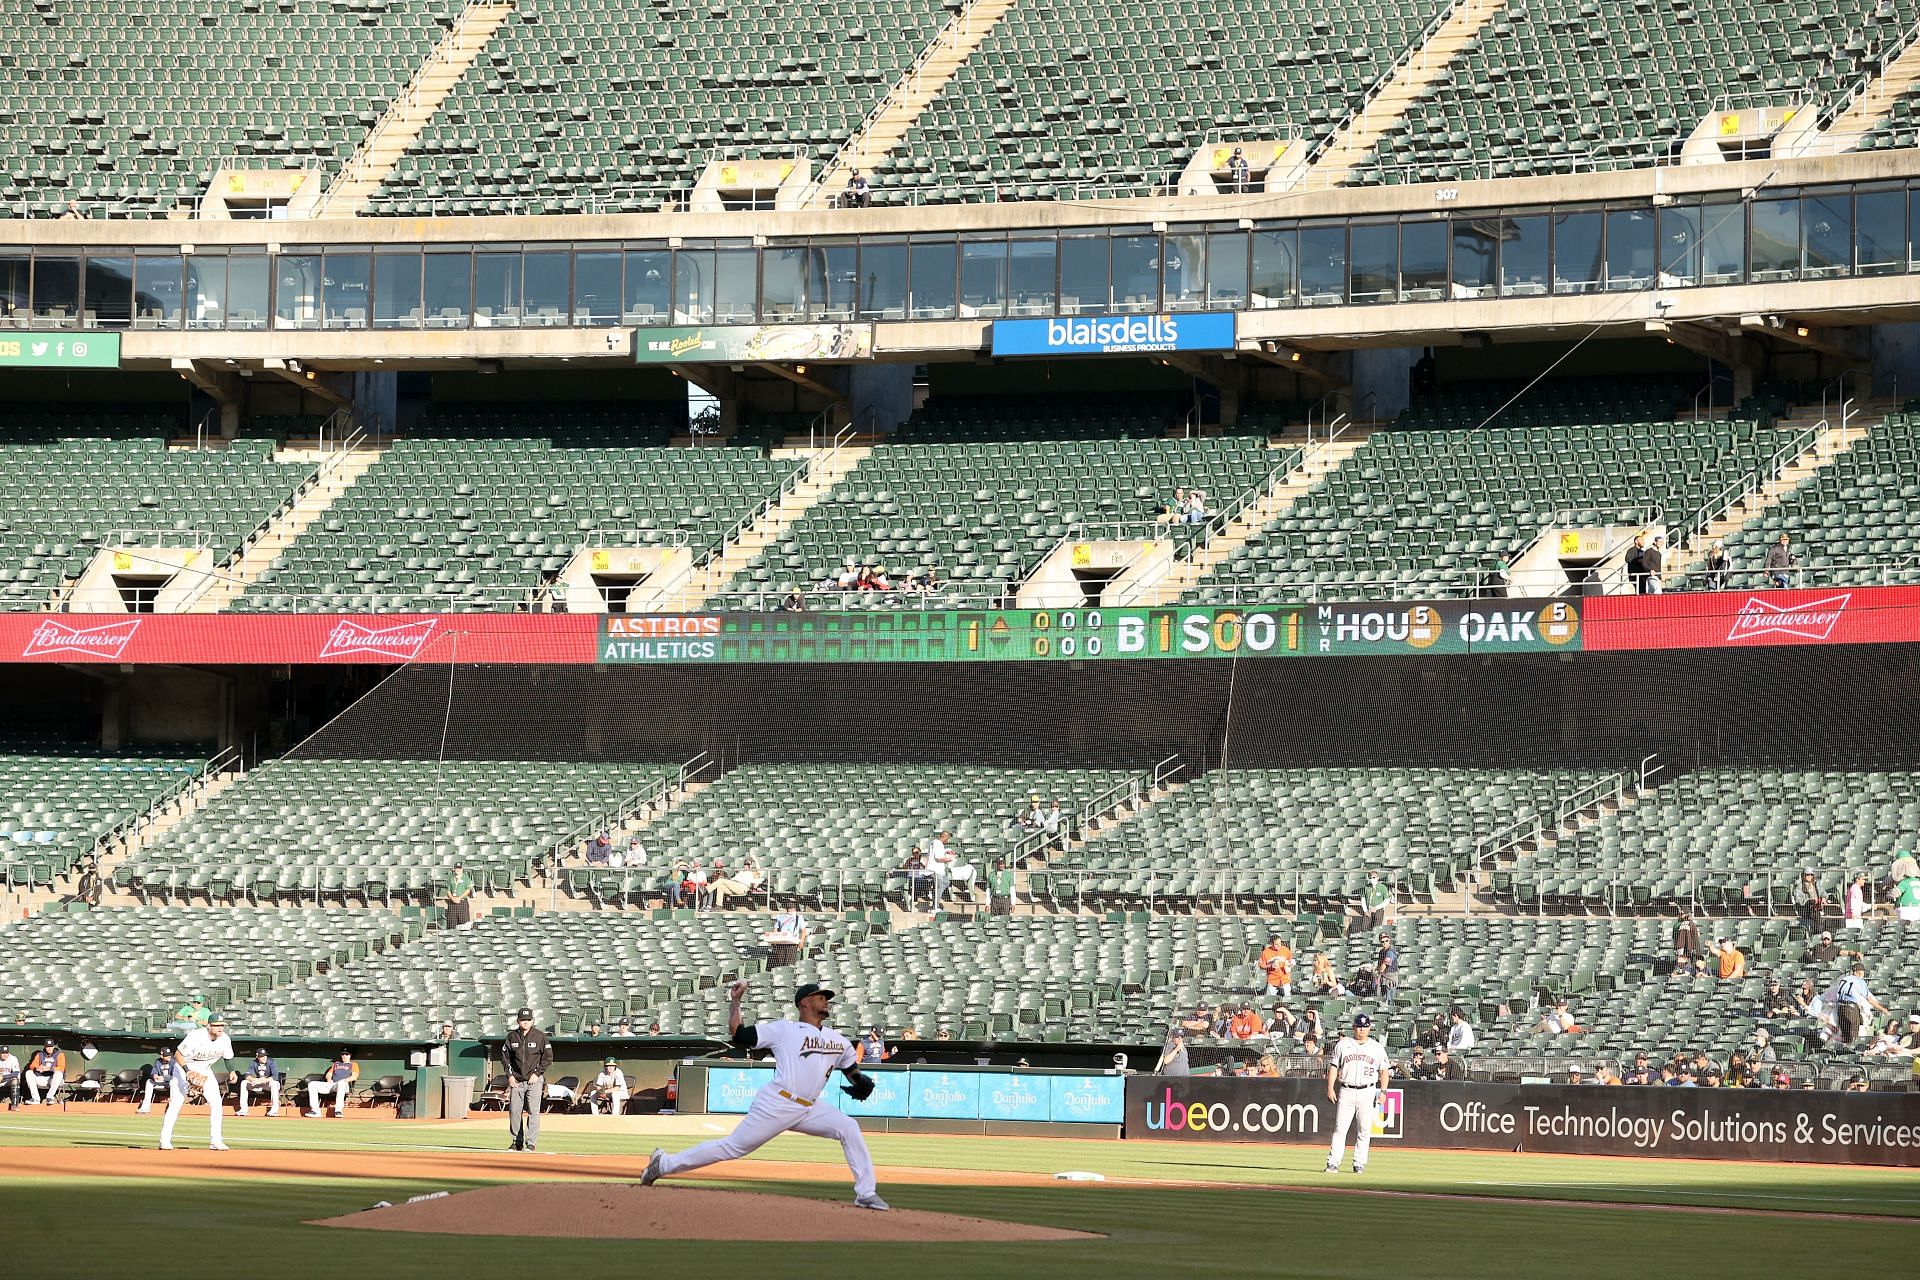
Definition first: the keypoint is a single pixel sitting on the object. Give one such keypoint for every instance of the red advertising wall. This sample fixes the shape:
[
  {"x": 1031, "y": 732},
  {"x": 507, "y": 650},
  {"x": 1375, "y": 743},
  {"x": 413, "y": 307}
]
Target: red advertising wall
[
  {"x": 1752, "y": 619},
  {"x": 218, "y": 639}
]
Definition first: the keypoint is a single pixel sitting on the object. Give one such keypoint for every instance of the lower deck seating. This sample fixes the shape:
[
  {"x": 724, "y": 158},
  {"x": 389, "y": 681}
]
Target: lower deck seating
[{"x": 54, "y": 808}]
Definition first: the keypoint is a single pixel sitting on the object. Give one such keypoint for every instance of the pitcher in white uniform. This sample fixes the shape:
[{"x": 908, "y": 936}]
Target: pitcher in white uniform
[
  {"x": 806, "y": 1053},
  {"x": 1356, "y": 1073},
  {"x": 193, "y": 1064}
]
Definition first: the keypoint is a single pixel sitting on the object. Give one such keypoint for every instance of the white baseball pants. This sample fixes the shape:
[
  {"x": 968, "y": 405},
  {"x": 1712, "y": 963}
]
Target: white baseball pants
[
  {"x": 53, "y": 1080},
  {"x": 770, "y": 1116},
  {"x": 255, "y": 1084},
  {"x": 1354, "y": 1106},
  {"x": 318, "y": 1089},
  {"x": 618, "y": 1108},
  {"x": 177, "y": 1091}
]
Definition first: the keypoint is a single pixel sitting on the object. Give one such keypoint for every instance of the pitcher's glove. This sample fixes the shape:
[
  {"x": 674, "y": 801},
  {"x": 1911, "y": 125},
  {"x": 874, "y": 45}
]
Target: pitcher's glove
[{"x": 858, "y": 1087}]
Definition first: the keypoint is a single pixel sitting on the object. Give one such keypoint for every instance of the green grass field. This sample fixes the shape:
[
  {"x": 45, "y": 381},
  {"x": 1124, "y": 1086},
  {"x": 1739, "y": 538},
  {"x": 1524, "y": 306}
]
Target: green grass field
[{"x": 1265, "y": 1219}]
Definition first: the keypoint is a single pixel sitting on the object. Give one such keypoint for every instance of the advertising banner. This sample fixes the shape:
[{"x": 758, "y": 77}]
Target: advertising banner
[
  {"x": 730, "y": 1089},
  {"x": 59, "y": 350},
  {"x": 1088, "y": 1099},
  {"x": 241, "y": 639},
  {"x": 1015, "y": 1097},
  {"x": 1701, "y": 1124},
  {"x": 1115, "y": 335},
  {"x": 1754, "y": 619},
  {"x": 689, "y": 344},
  {"x": 943, "y": 1095},
  {"x": 930, "y": 1093}
]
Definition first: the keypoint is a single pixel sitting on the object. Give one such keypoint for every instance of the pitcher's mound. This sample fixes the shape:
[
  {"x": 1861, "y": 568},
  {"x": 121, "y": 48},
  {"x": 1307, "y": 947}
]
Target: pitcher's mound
[{"x": 623, "y": 1211}]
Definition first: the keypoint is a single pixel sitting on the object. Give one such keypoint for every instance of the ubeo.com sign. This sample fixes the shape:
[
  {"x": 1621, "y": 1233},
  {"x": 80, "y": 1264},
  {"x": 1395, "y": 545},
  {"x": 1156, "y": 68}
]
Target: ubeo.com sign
[{"x": 1700, "y": 1124}]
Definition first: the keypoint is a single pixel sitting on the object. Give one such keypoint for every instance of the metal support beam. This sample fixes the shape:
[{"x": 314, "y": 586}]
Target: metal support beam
[
  {"x": 1849, "y": 345},
  {"x": 809, "y": 377},
  {"x": 1326, "y": 368},
  {"x": 1736, "y": 351},
  {"x": 335, "y": 388}
]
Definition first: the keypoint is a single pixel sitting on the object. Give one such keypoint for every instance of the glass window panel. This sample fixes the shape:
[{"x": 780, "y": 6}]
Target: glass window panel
[
  {"x": 983, "y": 278},
  {"x": 1828, "y": 221},
  {"x": 1136, "y": 272},
  {"x": 1275, "y": 255},
  {"x": 833, "y": 278},
  {"x": 1083, "y": 274},
  {"x": 156, "y": 291},
  {"x": 736, "y": 295},
  {"x": 544, "y": 287},
  {"x": 1227, "y": 269},
  {"x": 1913, "y": 230},
  {"x": 109, "y": 292},
  {"x": 1185, "y": 276},
  {"x": 1476, "y": 241},
  {"x": 16, "y": 274},
  {"x": 933, "y": 267},
  {"x": 1373, "y": 272},
  {"x": 1423, "y": 260},
  {"x": 396, "y": 291},
  {"x": 1723, "y": 243},
  {"x": 56, "y": 289},
  {"x": 783, "y": 283},
  {"x": 345, "y": 287},
  {"x": 448, "y": 281},
  {"x": 1680, "y": 245},
  {"x": 248, "y": 278},
  {"x": 693, "y": 286},
  {"x": 1030, "y": 267},
  {"x": 1880, "y": 235},
  {"x": 296, "y": 291},
  {"x": 496, "y": 289},
  {"x": 1323, "y": 264},
  {"x": 206, "y": 292},
  {"x": 883, "y": 280},
  {"x": 1578, "y": 239},
  {"x": 1775, "y": 238},
  {"x": 647, "y": 291},
  {"x": 1629, "y": 249},
  {"x": 1523, "y": 257}
]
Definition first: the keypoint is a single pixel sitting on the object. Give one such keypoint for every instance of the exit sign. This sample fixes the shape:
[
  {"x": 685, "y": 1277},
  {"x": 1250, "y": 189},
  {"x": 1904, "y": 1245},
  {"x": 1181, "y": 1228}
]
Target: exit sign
[{"x": 60, "y": 350}]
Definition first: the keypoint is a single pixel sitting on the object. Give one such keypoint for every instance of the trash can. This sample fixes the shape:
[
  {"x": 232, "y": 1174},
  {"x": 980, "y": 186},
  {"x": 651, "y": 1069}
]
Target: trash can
[{"x": 456, "y": 1096}]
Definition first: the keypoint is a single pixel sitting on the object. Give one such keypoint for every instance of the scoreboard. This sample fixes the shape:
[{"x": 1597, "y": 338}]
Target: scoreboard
[{"x": 1096, "y": 635}]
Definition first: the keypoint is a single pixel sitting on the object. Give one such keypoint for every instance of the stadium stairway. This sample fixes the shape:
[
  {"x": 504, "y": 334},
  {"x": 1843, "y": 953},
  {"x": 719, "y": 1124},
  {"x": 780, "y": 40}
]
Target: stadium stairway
[
  {"x": 1283, "y": 490},
  {"x": 389, "y": 139},
  {"x": 1870, "y": 109},
  {"x": 919, "y": 85},
  {"x": 316, "y": 495},
  {"x": 824, "y": 469},
  {"x": 1493, "y": 889},
  {"x": 1427, "y": 65},
  {"x": 1822, "y": 450}
]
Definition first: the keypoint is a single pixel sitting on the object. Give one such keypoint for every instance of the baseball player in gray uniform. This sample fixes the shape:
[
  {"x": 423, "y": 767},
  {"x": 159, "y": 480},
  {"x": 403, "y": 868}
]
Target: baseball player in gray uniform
[
  {"x": 1356, "y": 1073},
  {"x": 806, "y": 1053}
]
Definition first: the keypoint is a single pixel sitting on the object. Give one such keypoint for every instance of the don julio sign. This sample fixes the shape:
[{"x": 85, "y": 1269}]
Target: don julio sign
[
  {"x": 723, "y": 344},
  {"x": 1699, "y": 1124}
]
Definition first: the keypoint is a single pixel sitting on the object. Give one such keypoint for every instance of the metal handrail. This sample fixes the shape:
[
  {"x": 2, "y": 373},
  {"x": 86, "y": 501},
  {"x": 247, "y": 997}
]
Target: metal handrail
[
  {"x": 1839, "y": 103},
  {"x": 226, "y": 760},
  {"x": 654, "y": 795},
  {"x": 717, "y": 552},
  {"x": 1753, "y": 481},
  {"x": 1414, "y": 54},
  {"x": 1532, "y": 827},
  {"x": 1096, "y": 808}
]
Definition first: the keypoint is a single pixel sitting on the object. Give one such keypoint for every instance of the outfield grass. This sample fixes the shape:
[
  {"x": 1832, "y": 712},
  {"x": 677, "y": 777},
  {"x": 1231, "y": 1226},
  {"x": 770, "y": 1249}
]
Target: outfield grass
[{"x": 178, "y": 1227}]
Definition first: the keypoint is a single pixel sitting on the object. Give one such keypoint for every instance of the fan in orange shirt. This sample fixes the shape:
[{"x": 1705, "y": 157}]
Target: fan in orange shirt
[
  {"x": 1245, "y": 1024},
  {"x": 1276, "y": 961}
]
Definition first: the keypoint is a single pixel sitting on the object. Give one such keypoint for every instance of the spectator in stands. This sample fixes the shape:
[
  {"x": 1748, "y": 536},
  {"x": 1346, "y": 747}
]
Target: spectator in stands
[
  {"x": 1716, "y": 567},
  {"x": 1281, "y": 1021},
  {"x": 10, "y": 1075},
  {"x": 858, "y": 193},
  {"x": 1417, "y": 1066},
  {"x": 1806, "y": 995},
  {"x": 1199, "y": 1022},
  {"x": 695, "y": 887},
  {"x": 917, "y": 878},
  {"x": 1641, "y": 1072},
  {"x": 1173, "y": 1054},
  {"x": 940, "y": 865},
  {"x": 1376, "y": 906},
  {"x": 1906, "y": 899},
  {"x": 1636, "y": 564},
  {"x": 1000, "y": 888},
  {"x": 1276, "y": 966},
  {"x": 1576, "y": 1074},
  {"x": 1447, "y": 1066},
  {"x": 155, "y": 1078},
  {"x": 1909, "y": 1040},
  {"x": 263, "y": 1073},
  {"x": 593, "y": 1030},
  {"x": 624, "y": 1027},
  {"x": 1686, "y": 936},
  {"x": 1386, "y": 966},
  {"x": 794, "y": 602},
  {"x": 597, "y": 851},
  {"x": 459, "y": 898},
  {"x": 1222, "y": 1021},
  {"x": 1886, "y": 1042},
  {"x": 1239, "y": 172},
  {"x": 1196, "y": 512},
  {"x": 1310, "y": 1046},
  {"x": 46, "y": 1072},
  {"x": 872, "y": 1046},
  {"x": 1052, "y": 825},
  {"x": 1777, "y": 1001},
  {"x": 92, "y": 887},
  {"x": 1323, "y": 979},
  {"x": 1904, "y": 865},
  {"x": 1732, "y": 961},
  {"x": 1685, "y": 967},
  {"x": 609, "y": 1088},
  {"x": 1858, "y": 901},
  {"x": 1175, "y": 510},
  {"x": 1739, "y": 1071},
  {"x": 446, "y": 1033},
  {"x": 1653, "y": 565},
  {"x": 1781, "y": 562},
  {"x": 677, "y": 883},
  {"x": 72, "y": 213},
  {"x": 1245, "y": 1023},
  {"x": 1825, "y": 951},
  {"x": 1310, "y": 1025},
  {"x": 1856, "y": 998},
  {"x": 740, "y": 884},
  {"x": 1559, "y": 1021},
  {"x": 1365, "y": 981},
  {"x": 194, "y": 1013},
  {"x": 338, "y": 1079},
  {"x": 1808, "y": 901},
  {"x": 636, "y": 855},
  {"x": 1460, "y": 1036}
]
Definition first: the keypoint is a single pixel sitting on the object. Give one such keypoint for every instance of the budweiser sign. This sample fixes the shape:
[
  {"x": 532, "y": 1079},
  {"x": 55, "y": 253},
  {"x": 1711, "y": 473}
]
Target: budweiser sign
[
  {"x": 402, "y": 641},
  {"x": 105, "y": 640},
  {"x": 1813, "y": 620}
]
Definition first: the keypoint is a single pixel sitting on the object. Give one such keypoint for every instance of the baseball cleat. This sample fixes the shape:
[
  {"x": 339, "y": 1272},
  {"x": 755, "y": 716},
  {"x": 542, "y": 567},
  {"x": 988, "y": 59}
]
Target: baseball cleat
[
  {"x": 273, "y": 1111},
  {"x": 216, "y": 1146},
  {"x": 871, "y": 1202},
  {"x": 652, "y": 1175},
  {"x": 166, "y": 1146},
  {"x": 1359, "y": 1168},
  {"x": 1332, "y": 1168}
]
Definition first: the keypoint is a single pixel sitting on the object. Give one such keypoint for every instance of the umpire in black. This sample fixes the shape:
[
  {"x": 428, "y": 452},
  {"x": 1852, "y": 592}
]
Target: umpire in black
[{"x": 528, "y": 1054}]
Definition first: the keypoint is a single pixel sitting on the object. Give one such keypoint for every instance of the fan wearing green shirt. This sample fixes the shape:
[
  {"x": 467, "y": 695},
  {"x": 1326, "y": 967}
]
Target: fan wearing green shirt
[
  {"x": 1906, "y": 899},
  {"x": 459, "y": 898},
  {"x": 1376, "y": 906},
  {"x": 194, "y": 1013},
  {"x": 1000, "y": 888}
]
